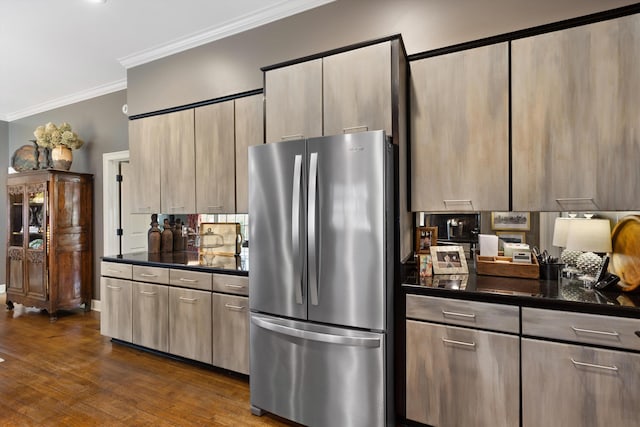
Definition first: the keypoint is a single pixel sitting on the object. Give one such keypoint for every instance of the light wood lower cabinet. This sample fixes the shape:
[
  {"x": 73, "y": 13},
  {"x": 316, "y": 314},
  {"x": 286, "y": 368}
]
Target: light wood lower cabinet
[
  {"x": 231, "y": 332},
  {"x": 578, "y": 386},
  {"x": 151, "y": 316},
  {"x": 190, "y": 324},
  {"x": 461, "y": 377},
  {"x": 115, "y": 308}
]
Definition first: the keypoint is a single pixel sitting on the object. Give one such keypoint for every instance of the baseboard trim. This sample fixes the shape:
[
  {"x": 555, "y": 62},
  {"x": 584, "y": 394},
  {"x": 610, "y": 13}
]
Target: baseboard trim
[
  {"x": 95, "y": 304},
  {"x": 3, "y": 288}
]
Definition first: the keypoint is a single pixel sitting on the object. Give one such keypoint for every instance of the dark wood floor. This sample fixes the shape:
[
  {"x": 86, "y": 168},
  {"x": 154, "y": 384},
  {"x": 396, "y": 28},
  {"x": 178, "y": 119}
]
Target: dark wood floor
[{"x": 66, "y": 374}]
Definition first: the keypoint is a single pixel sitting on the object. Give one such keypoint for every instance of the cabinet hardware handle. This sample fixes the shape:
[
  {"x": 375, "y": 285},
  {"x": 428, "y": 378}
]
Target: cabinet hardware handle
[
  {"x": 177, "y": 207},
  {"x": 234, "y": 307},
  {"x": 457, "y": 202},
  {"x": 115, "y": 288},
  {"x": 182, "y": 279},
  {"x": 352, "y": 128},
  {"x": 591, "y": 365},
  {"x": 561, "y": 201},
  {"x": 216, "y": 207},
  {"x": 453, "y": 313},
  {"x": 229, "y": 285},
  {"x": 113, "y": 270},
  {"x": 466, "y": 344},
  {"x": 589, "y": 331},
  {"x": 148, "y": 275},
  {"x": 148, "y": 293},
  {"x": 189, "y": 300},
  {"x": 296, "y": 136}
]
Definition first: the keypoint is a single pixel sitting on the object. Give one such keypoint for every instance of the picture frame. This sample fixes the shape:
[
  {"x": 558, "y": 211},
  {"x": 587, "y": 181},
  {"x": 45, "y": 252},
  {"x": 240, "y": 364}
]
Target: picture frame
[
  {"x": 425, "y": 238},
  {"x": 425, "y": 265},
  {"x": 451, "y": 281},
  {"x": 449, "y": 260},
  {"x": 512, "y": 236},
  {"x": 511, "y": 221}
]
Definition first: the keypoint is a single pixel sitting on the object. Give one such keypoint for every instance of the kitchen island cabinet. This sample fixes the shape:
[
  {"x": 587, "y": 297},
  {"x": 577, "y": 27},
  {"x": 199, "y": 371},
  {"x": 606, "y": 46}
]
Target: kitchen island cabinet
[
  {"x": 575, "y": 111},
  {"x": 460, "y": 130}
]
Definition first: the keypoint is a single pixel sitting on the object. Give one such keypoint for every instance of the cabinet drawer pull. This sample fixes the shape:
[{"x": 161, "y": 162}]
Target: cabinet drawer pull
[
  {"x": 229, "y": 285},
  {"x": 113, "y": 270},
  {"x": 177, "y": 207},
  {"x": 115, "y": 288},
  {"x": 182, "y": 279},
  {"x": 148, "y": 275},
  {"x": 466, "y": 344},
  {"x": 354, "y": 128},
  {"x": 562, "y": 201},
  {"x": 589, "y": 331},
  {"x": 453, "y": 313},
  {"x": 234, "y": 307},
  {"x": 216, "y": 207},
  {"x": 148, "y": 293},
  {"x": 188, "y": 300},
  {"x": 591, "y": 365},
  {"x": 296, "y": 136},
  {"x": 457, "y": 202}
]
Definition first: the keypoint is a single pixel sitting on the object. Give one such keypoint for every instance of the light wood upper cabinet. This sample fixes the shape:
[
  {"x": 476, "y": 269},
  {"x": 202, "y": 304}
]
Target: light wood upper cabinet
[
  {"x": 144, "y": 155},
  {"x": 294, "y": 101},
  {"x": 215, "y": 158},
  {"x": 460, "y": 131},
  {"x": 177, "y": 161},
  {"x": 576, "y": 106},
  {"x": 249, "y": 131},
  {"x": 357, "y": 90}
]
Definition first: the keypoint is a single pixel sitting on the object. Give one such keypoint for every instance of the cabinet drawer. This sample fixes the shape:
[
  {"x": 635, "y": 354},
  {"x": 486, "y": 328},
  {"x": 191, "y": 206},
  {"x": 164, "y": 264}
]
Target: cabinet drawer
[
  {"x": 190, "y": 279},
  {"x": 497, "y": 317},
  {"x": 583, "y": 328},
  {"x": 231, "y": 284},
  {"x": 116, "y": 269},
  {"x": 151, "y": 274}
]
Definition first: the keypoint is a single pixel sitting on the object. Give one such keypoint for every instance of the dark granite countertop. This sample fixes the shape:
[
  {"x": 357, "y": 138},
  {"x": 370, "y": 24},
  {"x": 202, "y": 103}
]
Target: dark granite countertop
[
  {"x": 187, "y": 260},
  {"x": 567, "y": 294}
]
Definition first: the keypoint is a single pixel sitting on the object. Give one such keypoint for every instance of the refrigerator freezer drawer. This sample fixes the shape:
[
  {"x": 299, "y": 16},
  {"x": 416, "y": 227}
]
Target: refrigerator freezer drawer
[{"x": 317, "y": 375}]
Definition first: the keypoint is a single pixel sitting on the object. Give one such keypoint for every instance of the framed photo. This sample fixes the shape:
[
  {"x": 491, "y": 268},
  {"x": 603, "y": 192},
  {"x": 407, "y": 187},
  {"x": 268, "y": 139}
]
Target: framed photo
[
  {"x": 511, "y": 236},
  {"x": 425, "y": 238},
  {"x": 426, "y": 266},
  {"x": 511, "y": 221},
  {"x": 449, "y": 260}
]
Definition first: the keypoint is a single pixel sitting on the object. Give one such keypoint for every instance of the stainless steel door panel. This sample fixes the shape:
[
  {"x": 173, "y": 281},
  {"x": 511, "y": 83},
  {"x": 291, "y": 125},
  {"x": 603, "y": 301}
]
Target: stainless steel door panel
[
  {"x": 277, "y": 201},
  {"x": 347, "y": 199},
  {"x": 317, "y": 375}
]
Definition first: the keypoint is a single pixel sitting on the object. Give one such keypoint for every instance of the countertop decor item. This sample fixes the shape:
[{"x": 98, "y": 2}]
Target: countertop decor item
[
  {"x": 25, "y": 158},
  {"x": 625, "y": 259},
  {"x": 60, "y": 140}
]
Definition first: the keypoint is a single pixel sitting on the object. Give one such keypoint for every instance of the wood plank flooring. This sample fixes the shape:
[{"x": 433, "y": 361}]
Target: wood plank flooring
[{"x": 66, "y": 374}]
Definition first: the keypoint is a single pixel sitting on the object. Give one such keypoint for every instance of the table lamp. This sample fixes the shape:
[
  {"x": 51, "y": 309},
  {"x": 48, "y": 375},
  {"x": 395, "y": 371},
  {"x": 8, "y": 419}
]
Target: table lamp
[{"x": 589, "y": 236}]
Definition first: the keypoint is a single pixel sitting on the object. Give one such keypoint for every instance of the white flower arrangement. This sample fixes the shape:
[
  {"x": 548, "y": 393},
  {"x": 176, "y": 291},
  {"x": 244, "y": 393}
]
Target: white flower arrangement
[{"x": 50, "y": 136}]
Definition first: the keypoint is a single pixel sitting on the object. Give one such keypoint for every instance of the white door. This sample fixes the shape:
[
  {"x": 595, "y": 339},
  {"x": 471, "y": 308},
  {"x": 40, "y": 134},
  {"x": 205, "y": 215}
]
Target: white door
[{"x": 134, "y": 226}]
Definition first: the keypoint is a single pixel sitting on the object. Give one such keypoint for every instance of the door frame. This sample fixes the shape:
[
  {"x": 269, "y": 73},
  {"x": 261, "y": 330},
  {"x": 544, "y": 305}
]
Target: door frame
[{"x": 110, "y": 168}]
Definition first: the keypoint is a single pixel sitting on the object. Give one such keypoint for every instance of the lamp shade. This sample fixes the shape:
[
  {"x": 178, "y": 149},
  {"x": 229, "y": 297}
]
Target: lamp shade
[
  {"x": 560, "y": 231},
  {"x": 589, "y": 235}
]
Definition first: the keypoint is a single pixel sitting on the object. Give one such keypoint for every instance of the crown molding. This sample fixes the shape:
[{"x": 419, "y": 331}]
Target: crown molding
[
  {"x": 67, "y": 100},
  {"x": 261, "y": 17}
]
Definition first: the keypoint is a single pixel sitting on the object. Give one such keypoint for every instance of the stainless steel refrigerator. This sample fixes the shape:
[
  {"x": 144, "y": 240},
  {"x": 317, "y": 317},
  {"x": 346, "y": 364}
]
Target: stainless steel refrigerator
[{"x": 322, "y": 254}]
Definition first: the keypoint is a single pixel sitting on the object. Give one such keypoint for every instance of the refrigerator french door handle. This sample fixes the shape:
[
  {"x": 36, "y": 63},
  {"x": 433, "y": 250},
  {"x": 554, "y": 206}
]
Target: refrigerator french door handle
[
  {"x": 316, "y": 336},
  {"x": 311, "y": 227},
  {"x": 295, "y": 228}
]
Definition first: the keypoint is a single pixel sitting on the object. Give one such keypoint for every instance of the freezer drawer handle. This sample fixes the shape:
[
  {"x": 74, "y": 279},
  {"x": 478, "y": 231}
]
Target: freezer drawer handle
[
  {"x": 591, "y": 365},
  {"x": 591, "y": 331},
  {"x": 466, "y": 344},
  {"x": 317, "y": 336},
  {"x": 311, "y": 224},
  {"x": 295, "y": 228}
]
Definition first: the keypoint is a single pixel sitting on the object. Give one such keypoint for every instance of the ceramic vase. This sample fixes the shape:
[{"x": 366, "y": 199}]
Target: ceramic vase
[{"x": 61, "y": 157}]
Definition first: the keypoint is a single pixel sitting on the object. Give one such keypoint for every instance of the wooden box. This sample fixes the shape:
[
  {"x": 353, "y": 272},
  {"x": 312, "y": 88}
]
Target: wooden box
[{"x": 503, "y": 266}]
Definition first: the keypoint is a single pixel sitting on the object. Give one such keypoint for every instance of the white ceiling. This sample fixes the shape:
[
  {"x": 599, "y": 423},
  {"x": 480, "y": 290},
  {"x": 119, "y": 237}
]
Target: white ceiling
[{"x": 57, "y": 52}]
